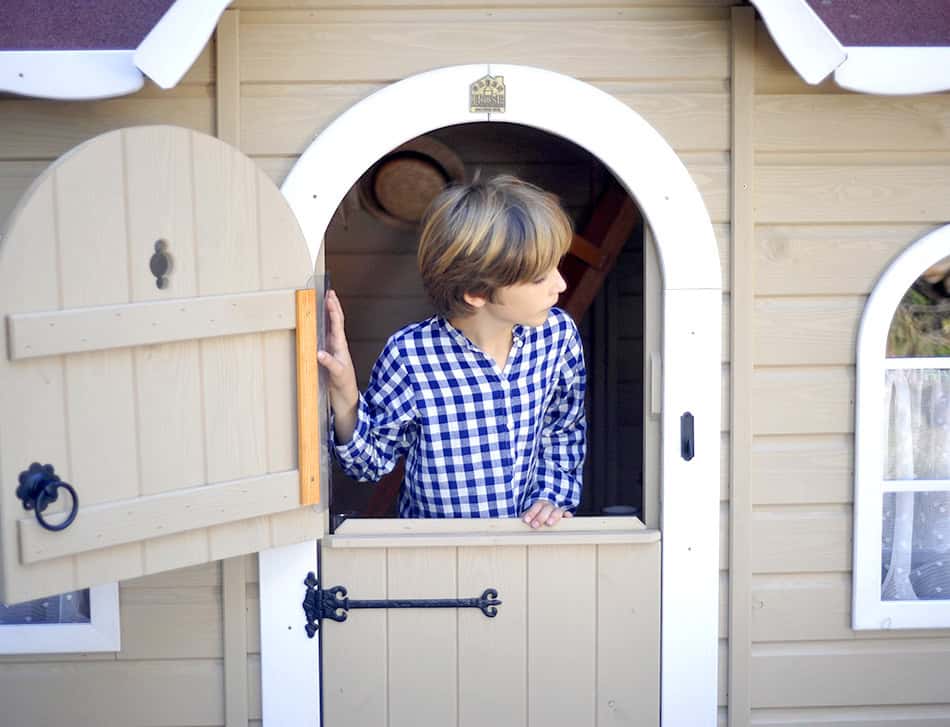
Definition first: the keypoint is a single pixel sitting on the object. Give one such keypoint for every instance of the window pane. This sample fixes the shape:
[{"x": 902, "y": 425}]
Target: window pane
[
  {"x": 915, "y": 562},
  {"x": 921, "y": 324},
  {"x": 917, "y": 428},
  {"x": 68, "y": 608}
]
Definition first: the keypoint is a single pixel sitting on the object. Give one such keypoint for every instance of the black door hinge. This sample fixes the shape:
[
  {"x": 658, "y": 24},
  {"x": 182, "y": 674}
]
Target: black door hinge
[{"x": 333, "y": 603}]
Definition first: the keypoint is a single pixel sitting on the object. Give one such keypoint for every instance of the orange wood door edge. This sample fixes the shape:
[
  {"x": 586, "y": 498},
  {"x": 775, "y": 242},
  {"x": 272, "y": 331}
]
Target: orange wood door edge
[{"x": 308, "y": 423}]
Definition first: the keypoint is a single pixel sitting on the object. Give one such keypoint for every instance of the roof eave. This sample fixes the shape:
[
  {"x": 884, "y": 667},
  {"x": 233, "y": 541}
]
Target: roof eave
[{"x": 164, "y": 55}]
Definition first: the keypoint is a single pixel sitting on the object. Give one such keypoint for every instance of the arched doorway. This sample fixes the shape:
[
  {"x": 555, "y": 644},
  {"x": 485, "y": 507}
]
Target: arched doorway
[{"x": 654, "y": 176}]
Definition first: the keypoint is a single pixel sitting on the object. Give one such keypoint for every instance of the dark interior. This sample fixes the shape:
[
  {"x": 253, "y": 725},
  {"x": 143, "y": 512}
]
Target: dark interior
[{"x": 370, "y": 246}]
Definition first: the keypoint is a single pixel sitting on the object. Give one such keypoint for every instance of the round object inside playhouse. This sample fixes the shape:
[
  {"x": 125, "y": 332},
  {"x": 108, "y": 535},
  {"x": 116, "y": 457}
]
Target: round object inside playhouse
[{"x": 400, "y": 186}]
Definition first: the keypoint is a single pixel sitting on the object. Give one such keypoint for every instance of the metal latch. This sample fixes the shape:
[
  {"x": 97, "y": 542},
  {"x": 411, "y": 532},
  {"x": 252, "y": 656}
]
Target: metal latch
[{"x": 333, "y": 603}]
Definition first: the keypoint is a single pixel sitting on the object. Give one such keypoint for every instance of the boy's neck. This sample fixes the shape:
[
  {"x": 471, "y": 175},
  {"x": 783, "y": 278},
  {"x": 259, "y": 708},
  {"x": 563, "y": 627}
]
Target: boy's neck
[{"x": 491, "y": 335}]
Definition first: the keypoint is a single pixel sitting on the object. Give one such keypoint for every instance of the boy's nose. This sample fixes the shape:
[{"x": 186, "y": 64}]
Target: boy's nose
[{"x": 560, "y": 285}]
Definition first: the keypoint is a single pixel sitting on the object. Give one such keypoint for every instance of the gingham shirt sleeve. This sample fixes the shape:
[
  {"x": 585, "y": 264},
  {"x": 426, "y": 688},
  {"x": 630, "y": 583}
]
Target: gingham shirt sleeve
[
  {"x": 559, "y": 474},
  {"x": 386, "y": 420}
]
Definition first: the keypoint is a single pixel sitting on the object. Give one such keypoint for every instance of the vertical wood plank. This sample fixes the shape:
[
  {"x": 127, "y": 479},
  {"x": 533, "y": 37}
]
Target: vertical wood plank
[
  {"x": 228, "y": 86},
  {"x": 234, "y": 606},
  {"x": 307, "y": 424},
  {"x": 423, "y": 653},
  {"x": 628, "y": 635},
  {"x": 284, "y": 266},
  {"x": 492, "y": 654},
  {"x": 168, "y": 377},
  {"x": 561, "y": 649},
  {"x": 355, "y": 653},
  {"x": 34, "y": 388},
  {"x": 653, "y": 380},
  {"x": 233, "y": 382},
  {"x": 741, "y": 352},
  {"x": 99, "y": 386}
]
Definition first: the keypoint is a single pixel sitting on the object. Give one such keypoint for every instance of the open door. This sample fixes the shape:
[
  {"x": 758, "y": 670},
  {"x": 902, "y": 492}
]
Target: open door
[{"x": 147, "y": 288}]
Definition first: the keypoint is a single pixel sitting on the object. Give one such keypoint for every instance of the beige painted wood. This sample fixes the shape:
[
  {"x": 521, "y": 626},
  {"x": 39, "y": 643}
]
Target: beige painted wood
[
  {"x": 43, "y": 130},
  {"x": 378, "y": 46},
  {"x": 743, "y": 339},
  {"x": 423, "y": 643},
  {"x": 828, "y": 259},
  {"x": 869, "y": 192},
  {"x": 355, "y": 676},
  {"x": 811, "y": 123},
  {"x": 523, "y": 667},
  {"x": 912, "y": 715},
  {"x": 628, "y": 635},
  {"x": 283, "y": 119},
  {"x": 234, "y": 600},
  {"x": 652, "y": 380},
  {"x": 228, "y": 85},
  {"x": 803, "y": 469},
  {"x": 559, "y": 658},
  {"x": 812, "y": 331},
  {"x": 81, "y": 329},
  {"x": 177, "y": 415},
  {"x": 793, "y": 607},
  {"x": 823, "y": 401},
  {"x": 323, "y": 4},
  {"x": 493, "y": 653},
  {"x": 116, "y": 523},
  {"x": 796, "y": 539},
  {"x": 176, "y": 692},
  {"x": 851, "y": 673}
]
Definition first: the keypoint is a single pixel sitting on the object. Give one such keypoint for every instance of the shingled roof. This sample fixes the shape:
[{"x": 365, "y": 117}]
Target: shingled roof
[
  {"x": 83, "y": 49},
  {"x": 874, "y": 46}
]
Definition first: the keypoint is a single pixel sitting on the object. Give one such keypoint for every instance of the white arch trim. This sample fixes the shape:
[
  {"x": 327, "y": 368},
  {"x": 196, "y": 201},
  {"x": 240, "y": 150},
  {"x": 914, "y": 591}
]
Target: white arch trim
[
  {"x": 642, "y": 160},
  {"x": 869, "y": 610}
]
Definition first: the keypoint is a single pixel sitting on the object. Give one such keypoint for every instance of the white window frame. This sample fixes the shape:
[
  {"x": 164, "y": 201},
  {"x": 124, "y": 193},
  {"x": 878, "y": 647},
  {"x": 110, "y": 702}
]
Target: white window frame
[
  {"x": 102, "y": 633},
  {"x": 869, "y": 610},
  {"x": 691, "y": 298}
]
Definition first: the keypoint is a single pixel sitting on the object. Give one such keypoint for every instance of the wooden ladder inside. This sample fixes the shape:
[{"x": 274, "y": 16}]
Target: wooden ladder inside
[{"x": 591, "y": 257}]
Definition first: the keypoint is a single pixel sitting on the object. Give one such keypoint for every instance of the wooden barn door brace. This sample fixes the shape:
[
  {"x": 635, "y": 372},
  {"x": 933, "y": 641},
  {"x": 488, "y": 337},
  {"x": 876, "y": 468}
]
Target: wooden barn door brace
[{"x": 333, "y": 603}]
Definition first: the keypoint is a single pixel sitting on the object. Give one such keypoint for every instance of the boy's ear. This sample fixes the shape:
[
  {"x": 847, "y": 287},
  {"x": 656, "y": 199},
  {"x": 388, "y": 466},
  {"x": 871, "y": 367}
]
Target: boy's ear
[{"x": 476, "y": 301}]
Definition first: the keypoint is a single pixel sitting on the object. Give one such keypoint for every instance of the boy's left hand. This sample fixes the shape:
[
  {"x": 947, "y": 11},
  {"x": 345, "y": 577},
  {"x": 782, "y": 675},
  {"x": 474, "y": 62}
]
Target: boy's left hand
[{"x": 544, "y": 513}]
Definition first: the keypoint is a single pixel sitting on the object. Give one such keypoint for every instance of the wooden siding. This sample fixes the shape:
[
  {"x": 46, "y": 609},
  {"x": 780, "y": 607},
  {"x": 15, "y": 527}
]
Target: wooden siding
[
  {"x": 843, "y": 183},
  {"x": 604, "y": 668},
  {"x": 171, "y": 668}
]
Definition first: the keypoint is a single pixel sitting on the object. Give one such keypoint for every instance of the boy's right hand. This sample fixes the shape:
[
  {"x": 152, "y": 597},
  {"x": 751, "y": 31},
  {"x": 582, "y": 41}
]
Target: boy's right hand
[{"x": 335, "y": 359}]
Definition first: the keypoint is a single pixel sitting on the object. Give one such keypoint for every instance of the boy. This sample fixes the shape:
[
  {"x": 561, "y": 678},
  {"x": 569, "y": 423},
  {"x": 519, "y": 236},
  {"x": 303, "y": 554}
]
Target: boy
[{"x": 486, "y": 398}]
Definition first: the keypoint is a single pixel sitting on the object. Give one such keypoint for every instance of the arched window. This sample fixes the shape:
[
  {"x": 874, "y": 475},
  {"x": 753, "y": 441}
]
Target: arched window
[{"x": 902, "y": 444}]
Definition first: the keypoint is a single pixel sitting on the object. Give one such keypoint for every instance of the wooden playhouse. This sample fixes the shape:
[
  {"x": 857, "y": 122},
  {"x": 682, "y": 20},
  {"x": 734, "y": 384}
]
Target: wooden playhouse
[{"x": 743, "y": 200}]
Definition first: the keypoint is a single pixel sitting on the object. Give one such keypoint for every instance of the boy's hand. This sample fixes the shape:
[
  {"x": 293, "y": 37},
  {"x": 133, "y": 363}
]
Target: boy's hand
[
  {"x": 343, "y": 391},
  {"x": 544, "y": 513}
]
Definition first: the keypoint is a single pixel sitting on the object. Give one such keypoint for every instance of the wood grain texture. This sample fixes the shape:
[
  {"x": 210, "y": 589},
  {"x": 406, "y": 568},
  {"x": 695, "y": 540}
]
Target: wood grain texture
[
  {"x": 811, "y": 123},
  {"x": 869, "y": 192},
  {"x": 308, "y": 430},
  {"x": 813, "y": 331},
  {"x": 823, "y": 401},
  {"x": 850, "y": 673},
  {"x": 95, "y": 328},
  {"x": 803, "y": 259},
  {"x": 380, "y": 46},
  {"x": 799, "y": 539},
  {"x": 560, "y": 661},
  {"x": 802, "y": 469}
]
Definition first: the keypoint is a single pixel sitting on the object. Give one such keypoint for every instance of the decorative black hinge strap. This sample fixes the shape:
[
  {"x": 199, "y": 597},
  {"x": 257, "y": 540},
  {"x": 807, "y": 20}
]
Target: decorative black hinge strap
[{"x": 332, "y": 603}]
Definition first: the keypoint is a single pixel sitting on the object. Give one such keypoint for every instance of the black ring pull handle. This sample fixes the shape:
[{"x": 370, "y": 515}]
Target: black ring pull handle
[{"x": 39, "y": 486}]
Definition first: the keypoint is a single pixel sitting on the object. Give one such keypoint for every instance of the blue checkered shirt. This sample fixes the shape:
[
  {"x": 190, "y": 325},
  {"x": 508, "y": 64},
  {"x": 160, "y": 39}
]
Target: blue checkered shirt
[{"x": 478, "y": 442}]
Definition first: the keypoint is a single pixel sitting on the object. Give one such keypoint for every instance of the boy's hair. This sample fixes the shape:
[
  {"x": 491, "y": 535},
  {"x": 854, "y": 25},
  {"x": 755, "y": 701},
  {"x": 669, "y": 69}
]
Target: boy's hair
[{"x": 484, "y": 235}]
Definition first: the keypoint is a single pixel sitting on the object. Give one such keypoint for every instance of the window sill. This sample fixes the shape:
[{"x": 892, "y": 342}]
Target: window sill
[{"x": 406, "y": 533}]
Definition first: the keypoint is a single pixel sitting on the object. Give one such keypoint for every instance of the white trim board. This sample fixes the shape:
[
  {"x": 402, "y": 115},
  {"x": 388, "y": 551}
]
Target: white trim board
[
  {"x": 164, "y": 55},
  {"x": 69, "y": 75},
  {"x": 102, "y": 633},
  {"x": 813, "y": 50},
  {"x": 869, "y": 610},
  {"x": 642, "y": 160}
]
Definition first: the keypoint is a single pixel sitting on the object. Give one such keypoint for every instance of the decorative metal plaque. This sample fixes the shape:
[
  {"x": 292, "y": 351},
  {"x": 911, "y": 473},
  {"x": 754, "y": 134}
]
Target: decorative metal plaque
[{"x": 487, "y": 94}]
